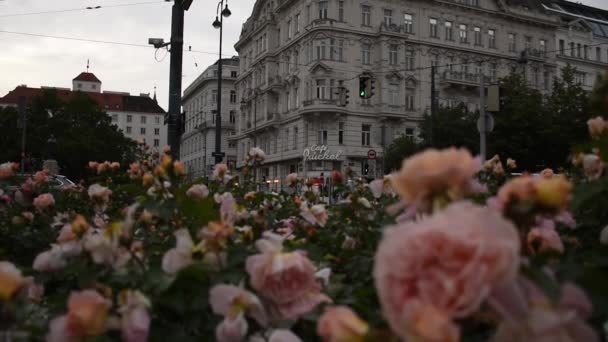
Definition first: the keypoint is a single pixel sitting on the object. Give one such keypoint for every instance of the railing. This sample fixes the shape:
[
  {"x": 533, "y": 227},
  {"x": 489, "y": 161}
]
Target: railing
[{"x": 393, "y": 28}]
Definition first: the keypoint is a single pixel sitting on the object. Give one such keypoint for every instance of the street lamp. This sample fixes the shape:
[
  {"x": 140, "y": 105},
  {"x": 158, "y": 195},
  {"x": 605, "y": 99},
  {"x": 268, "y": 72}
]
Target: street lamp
[{"x": 219, "y": 24}]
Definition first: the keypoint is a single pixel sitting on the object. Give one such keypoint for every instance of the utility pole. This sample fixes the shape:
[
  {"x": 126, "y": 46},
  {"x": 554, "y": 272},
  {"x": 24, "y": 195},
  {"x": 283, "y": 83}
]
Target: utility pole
[
  {"x": 219, "y": 24},
  {"x": 23, "y": 121},
  {"x": 175, "y": 78},
  {"x": 482, "y": 117},
  {"x": 433, "y": 103}
]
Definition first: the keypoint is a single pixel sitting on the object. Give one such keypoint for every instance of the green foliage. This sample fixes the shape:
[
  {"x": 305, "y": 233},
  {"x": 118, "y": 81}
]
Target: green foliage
[
  {"x": 451, "y": 127},
  {"x": 83, "y": 132}
]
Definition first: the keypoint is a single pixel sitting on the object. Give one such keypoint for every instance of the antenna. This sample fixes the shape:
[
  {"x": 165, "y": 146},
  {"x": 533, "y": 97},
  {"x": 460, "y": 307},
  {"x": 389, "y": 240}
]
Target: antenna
[{"x": 87, "y": 65}]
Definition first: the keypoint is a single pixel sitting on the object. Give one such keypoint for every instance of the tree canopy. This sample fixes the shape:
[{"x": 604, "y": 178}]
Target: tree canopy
[{"x": 82, "y": 131}]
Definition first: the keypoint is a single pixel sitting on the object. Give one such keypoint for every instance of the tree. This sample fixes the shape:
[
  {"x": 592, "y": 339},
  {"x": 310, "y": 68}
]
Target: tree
[
  {"x": 517, "y": 127},
  {"x": 451, "y": 127},
  {"x": 83, "y": 132},
  {"x": 398, "y": 150},
  {"x": 565, "y": 121}
]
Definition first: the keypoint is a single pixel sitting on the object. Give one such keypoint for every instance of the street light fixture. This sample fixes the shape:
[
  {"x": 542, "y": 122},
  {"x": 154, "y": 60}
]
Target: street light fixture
[{"x": 219, "y": 24}]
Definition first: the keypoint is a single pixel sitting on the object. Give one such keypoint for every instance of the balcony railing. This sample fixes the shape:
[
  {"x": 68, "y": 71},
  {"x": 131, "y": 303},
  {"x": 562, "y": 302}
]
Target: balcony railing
[{"x": 464, "y": 78}]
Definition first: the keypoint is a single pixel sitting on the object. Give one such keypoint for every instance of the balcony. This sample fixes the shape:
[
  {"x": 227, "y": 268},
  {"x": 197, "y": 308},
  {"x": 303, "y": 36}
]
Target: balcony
[
  {"x": 536, "y": 54},
  {"x": 393, "y": 28},
  {"x": 462, "y": 79},
  {"x": 208, "y": 124}
]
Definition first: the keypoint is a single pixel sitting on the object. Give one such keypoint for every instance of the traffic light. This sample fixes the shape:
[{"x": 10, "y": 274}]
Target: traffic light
[
  {"x": 366, "y": 86},
  {"x": 342, "y": 93},
  {"x": 363, "y": 84}
]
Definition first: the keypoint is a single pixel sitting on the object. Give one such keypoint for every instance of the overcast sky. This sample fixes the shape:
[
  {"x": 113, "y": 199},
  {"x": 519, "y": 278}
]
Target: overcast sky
[{"x": 38, "y": 61}]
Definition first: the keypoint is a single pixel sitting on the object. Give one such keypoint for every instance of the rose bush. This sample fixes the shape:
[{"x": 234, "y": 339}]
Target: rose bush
[{"x": 446, "y": 249}]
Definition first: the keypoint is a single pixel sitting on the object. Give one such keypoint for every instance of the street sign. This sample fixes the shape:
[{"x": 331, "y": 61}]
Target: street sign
[
  {"x": 371, "y": 154},
  {"x": 489, "y": 124}
]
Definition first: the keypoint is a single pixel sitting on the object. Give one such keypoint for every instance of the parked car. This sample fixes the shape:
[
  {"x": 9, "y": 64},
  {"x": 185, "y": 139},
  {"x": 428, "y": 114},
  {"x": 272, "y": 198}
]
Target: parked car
[{"x": 56, "y": 182}]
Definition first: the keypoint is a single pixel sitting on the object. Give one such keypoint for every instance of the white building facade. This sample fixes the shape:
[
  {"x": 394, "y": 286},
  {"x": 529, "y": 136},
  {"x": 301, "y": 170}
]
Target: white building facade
[
  {"x": 200, "y": 104},
  {"x": 581, "y": 40},
  {"x": 294, "y": 55}
]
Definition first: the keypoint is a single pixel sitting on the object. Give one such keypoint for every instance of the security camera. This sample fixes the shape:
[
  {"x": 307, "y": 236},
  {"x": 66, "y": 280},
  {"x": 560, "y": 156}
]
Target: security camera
[{"x": 157, "y": 42}]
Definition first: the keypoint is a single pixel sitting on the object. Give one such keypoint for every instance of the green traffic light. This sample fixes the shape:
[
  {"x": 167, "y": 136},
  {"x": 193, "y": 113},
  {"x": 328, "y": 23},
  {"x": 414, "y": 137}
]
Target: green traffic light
[{"x": 362, "y": 94}]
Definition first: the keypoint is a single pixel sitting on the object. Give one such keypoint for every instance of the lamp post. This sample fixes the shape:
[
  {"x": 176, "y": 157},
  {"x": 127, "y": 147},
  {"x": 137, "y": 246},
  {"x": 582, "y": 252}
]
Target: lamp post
[{"x": 219, "y": 24}]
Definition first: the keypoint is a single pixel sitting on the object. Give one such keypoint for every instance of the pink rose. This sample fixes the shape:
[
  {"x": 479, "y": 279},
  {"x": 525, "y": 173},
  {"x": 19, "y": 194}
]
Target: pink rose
[
  {"x": 340, "y": 324},
  {"x": 198, "y": 191},
  {"x": 7, "y": 170},
  {"x": 596, "y": 126},
  {"x": 593, "y": 166},
  {"x": 292, "y": 179},
  {"x": 543, "y": 240},
  {"x": 530, "y": 316},
  {"x": 230, "y": 301},
  {"x": 547, "y": 173},
  {"x": 44, "y": 201},
  {"x": 450, "y": 261},
  {"x": 135, "y": 324},
  {"x": 315, "y": 214},
  {"x": 286, "y": 280},
  {"x": 433, "y": 173}
]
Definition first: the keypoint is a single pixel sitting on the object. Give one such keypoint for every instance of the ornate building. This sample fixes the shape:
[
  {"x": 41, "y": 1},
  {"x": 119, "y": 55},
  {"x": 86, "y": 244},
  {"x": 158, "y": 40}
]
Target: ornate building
[
  {"x": 200, "y": 104},
  {"x": 294, "y": 55}
]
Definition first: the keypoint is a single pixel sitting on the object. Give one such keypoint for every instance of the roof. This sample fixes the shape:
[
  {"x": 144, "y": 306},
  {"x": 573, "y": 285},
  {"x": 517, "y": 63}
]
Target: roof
[
  {"x": 595, "y": 17},
  {"x": 87, "y": 77},
  {"x": 106, "y": 101}
]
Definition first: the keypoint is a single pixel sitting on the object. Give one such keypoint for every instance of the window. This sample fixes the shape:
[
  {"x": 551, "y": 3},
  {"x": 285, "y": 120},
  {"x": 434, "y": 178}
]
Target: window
[
  {"x": 408, "y": 23},
  {"x": 142, "y": 119},
  {"x": 448, "y": 31},
  {"x": 393, "y": 94},
  {"x": 322, "y": 136},
  {"x": 528, "y": 43},
  {"x": 341, "y": 133},
  {"x": 366, "y": 132},
  {"x": 463, "y": 33},
  {"x": 493, "y": 72},
  {"x": 477, "y": 31},
  {"x": 323, "y": 4},
  {"x": 296, "y": 96},
  {"x": 598, "y": 54},
  {"x": 308, "y": 11},
  {"x": 586, "y": 51},
  {"x": 492, "y": 39},
  {"x": 322, "y": 89},
  {"x": 289, "y": 29},
  {"x": 409, "y": 60},
  {"x": 156, "y": 142},
  {"x": 233, "y": 74},
  {"x": 295, "y": 138},
  {"x": 286, "y": 140},
  {"x": 114, "y": 117},
  {"x": 410, "y": 93},
  {"x": 233, "y": 96},
  {"x": 366, "y": 13},
  {"x": 79, "y": 86},
  {"x": 366, "y": 54},
  {"x": 512, "y": 46},
  {"x": 341, "y": 10},
  {"x": 392, "y": 54},
  {"x": 580, "y": 78},
  {"x": 142, "y": 130},
  {"x": 388, "y": 17},
  {"x": 409, "y": 133},
  {"x": 128, "y": 129},
  {"x": 433, "y": 27},
  {"x": 562, "y": 47},
  {"x": 232, "y": 116},
  {"x": 94, "y": 86},
  {"x": 157, "y": 120},
  {"x": 129, "y": 118},
  {"x": 546, "y": 80},
  {"x": 157, "y": 131},
  {"x": 288, "y": 101},
  {"x": 214, "y": 97},
  {"x": 542, "y": 47},
  {"x": 572, "y": 50},
  {"x": 321, "y": 50},
  {"x": 578, "y": 50},
  {"x": 336, "y": 51}
]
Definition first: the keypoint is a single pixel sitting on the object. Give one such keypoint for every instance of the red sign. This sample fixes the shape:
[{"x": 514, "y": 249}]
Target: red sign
[{"x": 371, "y": 154}]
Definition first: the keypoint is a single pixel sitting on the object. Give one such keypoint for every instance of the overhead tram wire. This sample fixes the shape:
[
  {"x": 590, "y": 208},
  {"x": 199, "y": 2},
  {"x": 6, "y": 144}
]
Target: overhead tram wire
[
  {"x": 81, "y": 9},
  {"x": 357, "y": 72}
]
